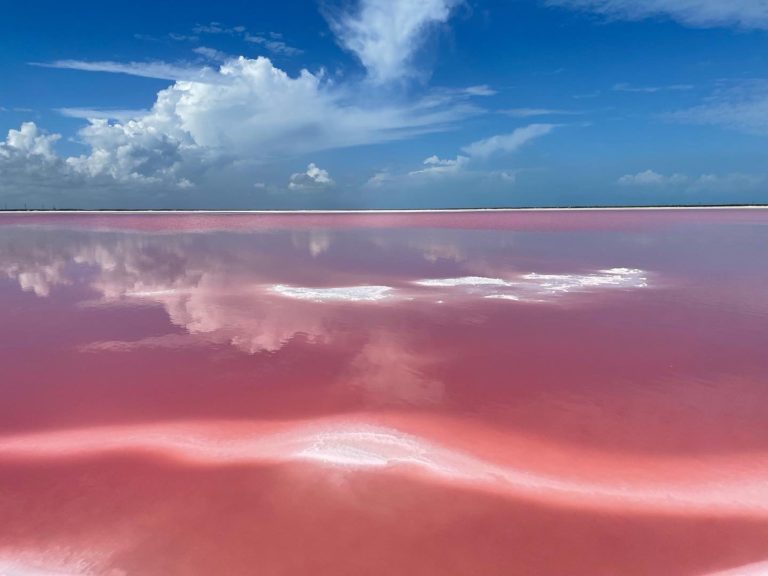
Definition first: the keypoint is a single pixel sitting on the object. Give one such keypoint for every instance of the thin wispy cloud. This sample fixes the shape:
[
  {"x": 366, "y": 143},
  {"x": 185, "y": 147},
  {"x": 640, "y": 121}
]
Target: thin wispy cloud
[
  {"x": 102, "y": 113},
  {"x": 651, "y": 178},
  {"x": 480, "y": 90},
  {"x": 507, "y": 143},
  {"x": 626, "y": 87},
  {"x": 386, "y": 34},
  {"x": 534, "y": 112},
  {"x": 212, "y": 54},
  {"x": 158, "y": 70},
  {"x": 482, "y": 150},
  {"x": 742, "y": 107},
  {"x": 696, "y": 13},
  {"x": 274, "y": 44},
  {"x": 218, "y": 28},
  {"x": 734, "y": 181}
]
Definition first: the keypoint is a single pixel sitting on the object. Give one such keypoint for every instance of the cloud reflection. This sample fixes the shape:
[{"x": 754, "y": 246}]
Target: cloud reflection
[
  {"x": 257, "y": 300},
  {"x": 323, "y": 353}
]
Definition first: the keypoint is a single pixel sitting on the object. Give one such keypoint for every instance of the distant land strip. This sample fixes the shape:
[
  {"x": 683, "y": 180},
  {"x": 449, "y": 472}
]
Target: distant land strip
[{"x": 376, "y": 211}]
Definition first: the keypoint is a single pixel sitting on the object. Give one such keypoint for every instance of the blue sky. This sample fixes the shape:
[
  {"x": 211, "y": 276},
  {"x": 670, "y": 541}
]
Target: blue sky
[{"x": 383, "y": 103}]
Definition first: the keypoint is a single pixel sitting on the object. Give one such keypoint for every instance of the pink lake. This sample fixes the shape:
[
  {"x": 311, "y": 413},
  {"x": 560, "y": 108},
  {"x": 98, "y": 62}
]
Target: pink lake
[{"x": 504, "y": 393}]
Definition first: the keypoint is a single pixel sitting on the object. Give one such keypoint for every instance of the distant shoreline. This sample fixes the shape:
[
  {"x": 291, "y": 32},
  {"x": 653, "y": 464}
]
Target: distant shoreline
[{"x": 388, "y": 211}]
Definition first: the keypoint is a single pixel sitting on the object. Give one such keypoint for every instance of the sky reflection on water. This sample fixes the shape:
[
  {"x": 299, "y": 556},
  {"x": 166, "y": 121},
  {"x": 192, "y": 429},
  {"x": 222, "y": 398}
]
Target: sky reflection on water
[{"x": 430, "y": 394}]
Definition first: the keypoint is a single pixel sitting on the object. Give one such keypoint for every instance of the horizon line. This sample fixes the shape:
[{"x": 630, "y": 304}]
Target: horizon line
[{"x": 378, "y": 211}]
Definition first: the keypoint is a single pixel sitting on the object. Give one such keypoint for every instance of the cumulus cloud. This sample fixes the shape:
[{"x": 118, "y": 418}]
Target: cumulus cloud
[
  {"x": 28, "y": 155},
  {"x": 242, "y": 114},
  {"x": 386, "y": 34},
  {"x": 132, "y": 151},
  {"x": 29, "y": 142},
  {"x": 248, "y": 111},
  {"x": 33, "y": 175},
  {"x": 315, "y": 177},
  {"x": 751, "y": 14},
  {"x": 507, "y": 143}
]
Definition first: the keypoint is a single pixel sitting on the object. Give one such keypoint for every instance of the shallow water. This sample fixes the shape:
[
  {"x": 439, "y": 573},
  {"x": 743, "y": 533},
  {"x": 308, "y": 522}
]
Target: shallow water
[{"x": 580, "y": 393}]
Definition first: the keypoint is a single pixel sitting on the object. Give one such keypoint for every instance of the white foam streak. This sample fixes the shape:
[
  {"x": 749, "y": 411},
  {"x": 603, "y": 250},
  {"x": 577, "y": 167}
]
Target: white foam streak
[
  {"x": 758, "y": 569},
  {"x": 150, "y": 294},
  {"x": 612, "y": 278},
  {"x": 357, "y": 446},
  {"x": 502, "y": 297},
  {"x": 464, "y": 281},
  {"x": 15, "y": 568},
  {"x": 535, "y": 287},
  {"x": 344, "y": 294}
]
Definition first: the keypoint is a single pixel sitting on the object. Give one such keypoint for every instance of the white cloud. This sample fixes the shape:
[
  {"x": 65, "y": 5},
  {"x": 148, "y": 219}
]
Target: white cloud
[
  {"x": 247, "y": 111},
  {"x": 509, "y": 176},
  {"x": 743, "y": 107},
  {"x": 728, "y": 182},
  {"x": 341, "y": 294},
  {"x": 134, "y": 151},
  {"x": 757, "y": 569},
  {"x": 103, "y": 114},
  {"x": 314, "y": 177},
  {"x": 534, "y": 287},
  {"x": 651, "y": 178},
  {"x": 533, "y": 112},
  {"x": 626, "y": 87},
  {"x": 159, "y": 70},
  {"x": 211, "y": 54},
  {"x": 480, "y": 150},
  {"x": 435, "y": 165},
  {"x": 173, "y": 36},
  {"x": 507, "y": 143},
  {"x": 385, "y": 34},
  {"x": 272, "y": 41},
  {"x": 380, "y": 179},
  {"x": 273, "y": 44},
  {"x": 30, "y": 168},
  {"x": 480, "y": 90},
  {"x": 695, "y": 13},
  {"x": 28, "y": 142},
  {"x": 218, "y": 28},
  {"x": 733, "y": 182}
]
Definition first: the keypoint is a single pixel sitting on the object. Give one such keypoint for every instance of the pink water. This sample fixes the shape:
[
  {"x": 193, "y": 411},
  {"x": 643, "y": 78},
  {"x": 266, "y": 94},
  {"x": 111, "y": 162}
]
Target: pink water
[{"x": 536, "y": 393}]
